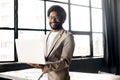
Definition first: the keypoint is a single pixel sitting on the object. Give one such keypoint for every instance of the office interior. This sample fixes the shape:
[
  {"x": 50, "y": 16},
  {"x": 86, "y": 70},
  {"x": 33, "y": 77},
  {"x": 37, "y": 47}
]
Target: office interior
[{"x": 95, "y": 25}]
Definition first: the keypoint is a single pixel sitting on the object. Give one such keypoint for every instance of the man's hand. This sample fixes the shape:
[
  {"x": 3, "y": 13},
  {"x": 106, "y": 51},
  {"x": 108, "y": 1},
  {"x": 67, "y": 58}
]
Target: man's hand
[{"x": 36, "y": 65}]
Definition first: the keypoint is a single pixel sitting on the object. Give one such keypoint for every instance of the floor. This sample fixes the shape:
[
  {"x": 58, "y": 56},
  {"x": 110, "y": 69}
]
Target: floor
[{"x": 33, "y": 74}]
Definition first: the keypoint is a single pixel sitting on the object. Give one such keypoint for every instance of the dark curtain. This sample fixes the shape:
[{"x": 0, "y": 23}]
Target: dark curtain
[{"x": 110, "y": 33}]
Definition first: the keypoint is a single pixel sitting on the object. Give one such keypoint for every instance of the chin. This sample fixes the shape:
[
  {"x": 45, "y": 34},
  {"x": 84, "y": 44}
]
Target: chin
[{"x": 58, "y": 27}]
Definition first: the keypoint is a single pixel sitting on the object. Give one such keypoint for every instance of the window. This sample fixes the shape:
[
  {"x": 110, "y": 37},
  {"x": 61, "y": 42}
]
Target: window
[
  {"x": 7, "y": 13},
  {"x": 80, "y": 18},
  {"x": 80, "y": 2},
  {"x": 61, "y": 0},
  {"x": 86, "y": 20},
  {"x": 6, "y": 45},
  {"x": 82, "y": 45},
  {"x": 6, "y": 30},
  {"x": 31, "y": 19},
  {"x": 31, "y": 14},
  {"x": 26, "y": 19}
]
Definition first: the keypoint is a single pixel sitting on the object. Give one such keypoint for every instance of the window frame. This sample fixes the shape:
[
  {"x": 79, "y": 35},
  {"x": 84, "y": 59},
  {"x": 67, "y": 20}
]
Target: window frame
[{"x": 45, "y": 30}]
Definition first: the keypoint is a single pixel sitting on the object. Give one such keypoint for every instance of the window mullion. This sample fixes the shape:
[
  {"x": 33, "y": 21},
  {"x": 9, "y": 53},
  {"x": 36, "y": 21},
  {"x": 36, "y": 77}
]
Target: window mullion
[{"x": 91, "y": 39}]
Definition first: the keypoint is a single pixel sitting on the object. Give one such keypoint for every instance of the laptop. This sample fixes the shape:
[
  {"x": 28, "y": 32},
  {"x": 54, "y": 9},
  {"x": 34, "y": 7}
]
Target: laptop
[{"x": 30, "y": 51}]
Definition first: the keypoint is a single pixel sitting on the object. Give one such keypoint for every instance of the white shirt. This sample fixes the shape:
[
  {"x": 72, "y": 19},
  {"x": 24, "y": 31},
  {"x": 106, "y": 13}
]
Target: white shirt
[{"x": 50, "y": 39}]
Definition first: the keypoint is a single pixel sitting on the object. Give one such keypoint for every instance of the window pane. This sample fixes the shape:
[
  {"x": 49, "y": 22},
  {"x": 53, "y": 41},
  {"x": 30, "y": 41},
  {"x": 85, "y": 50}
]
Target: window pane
[
  {"x": 6, "y": 45},
  {"x": 97, "y": 24},
  {"x": 31, "y": 14},
  {"x": 98, "y": 44},
  {"x": 66, "y": 24},
  {"x": 96, "y": 3},
  {"x": 61, "y": 0},
  {"x": 81, "y": 2},
  {"x": 80, "y": 18},
  {"x": 30, "y": 34},
  {"x": 82, "y": 45},
  {"x": 7, "y": 13}
]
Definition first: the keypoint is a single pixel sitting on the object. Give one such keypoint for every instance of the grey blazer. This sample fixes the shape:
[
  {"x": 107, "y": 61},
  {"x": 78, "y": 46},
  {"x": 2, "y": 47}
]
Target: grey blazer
[{"x": 60, "y": 53}]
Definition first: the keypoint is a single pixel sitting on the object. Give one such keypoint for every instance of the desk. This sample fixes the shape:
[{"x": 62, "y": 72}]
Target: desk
[
  {"x": 33, "y": 74},
  {"x": 26, "y": 74}
]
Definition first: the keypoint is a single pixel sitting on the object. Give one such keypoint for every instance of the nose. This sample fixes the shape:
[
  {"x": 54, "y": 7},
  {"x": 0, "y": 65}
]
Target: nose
[{"x": 52, "y": 20}]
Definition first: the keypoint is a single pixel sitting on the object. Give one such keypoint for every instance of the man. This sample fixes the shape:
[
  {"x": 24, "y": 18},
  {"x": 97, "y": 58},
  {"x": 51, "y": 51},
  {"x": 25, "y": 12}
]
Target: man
[{"x": 59, "y": 46}]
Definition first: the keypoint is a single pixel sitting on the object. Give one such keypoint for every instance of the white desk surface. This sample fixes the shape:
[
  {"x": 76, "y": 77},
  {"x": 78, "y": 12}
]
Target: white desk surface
[{"x": 33, "y": 74}]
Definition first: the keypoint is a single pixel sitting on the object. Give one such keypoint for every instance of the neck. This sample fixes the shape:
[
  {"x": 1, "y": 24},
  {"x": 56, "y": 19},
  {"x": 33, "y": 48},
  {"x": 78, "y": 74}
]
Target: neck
[{"x": 55, "y": 30}]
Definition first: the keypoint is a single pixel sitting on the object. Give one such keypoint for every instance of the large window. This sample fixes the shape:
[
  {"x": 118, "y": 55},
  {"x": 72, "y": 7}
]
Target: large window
[
  {"x": 6, "y": 30},
  {"x": 31, "y": 14},
  {"x": 7, "y": 13},
  {"x": 27, "y": 19},
  {"x": 87, "y": 26}
]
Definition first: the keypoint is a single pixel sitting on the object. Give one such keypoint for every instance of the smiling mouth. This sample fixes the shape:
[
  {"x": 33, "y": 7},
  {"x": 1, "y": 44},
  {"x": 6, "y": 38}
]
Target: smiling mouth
[{"x": 53, "y": 24}]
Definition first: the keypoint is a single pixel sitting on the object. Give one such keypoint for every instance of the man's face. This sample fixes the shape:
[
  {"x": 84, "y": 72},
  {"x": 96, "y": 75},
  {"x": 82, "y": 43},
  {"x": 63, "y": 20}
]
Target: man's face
[{"x": 55, "y": 21}]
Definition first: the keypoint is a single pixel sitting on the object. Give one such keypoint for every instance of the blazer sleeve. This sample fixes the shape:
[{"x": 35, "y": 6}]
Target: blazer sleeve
[{"x": 65, "y": 60}]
